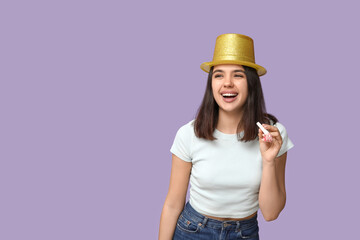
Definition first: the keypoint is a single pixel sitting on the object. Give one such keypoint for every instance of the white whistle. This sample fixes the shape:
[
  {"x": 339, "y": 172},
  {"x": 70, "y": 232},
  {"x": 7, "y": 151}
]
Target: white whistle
[
  {"x": 262, "y": 128},
  {"x": 268, "y": 137}
]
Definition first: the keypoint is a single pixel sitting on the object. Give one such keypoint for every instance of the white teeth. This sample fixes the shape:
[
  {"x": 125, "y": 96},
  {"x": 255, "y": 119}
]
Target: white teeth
[{"x": 229, "y": 94}]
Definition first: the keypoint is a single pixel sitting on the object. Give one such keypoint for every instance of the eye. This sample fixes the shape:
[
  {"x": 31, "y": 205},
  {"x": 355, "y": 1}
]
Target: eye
[
  {"x": 239, "y": 76},
  {"x": 219, "y": 75}
]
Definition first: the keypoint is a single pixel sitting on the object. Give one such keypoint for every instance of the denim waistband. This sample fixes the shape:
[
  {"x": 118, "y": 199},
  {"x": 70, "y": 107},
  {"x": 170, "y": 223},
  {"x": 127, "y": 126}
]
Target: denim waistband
[{"x": 191, "y": 213}]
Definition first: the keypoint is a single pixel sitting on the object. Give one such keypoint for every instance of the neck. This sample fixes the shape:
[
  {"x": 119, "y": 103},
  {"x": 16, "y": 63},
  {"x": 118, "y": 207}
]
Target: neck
[{"x": 228, "y": 121}]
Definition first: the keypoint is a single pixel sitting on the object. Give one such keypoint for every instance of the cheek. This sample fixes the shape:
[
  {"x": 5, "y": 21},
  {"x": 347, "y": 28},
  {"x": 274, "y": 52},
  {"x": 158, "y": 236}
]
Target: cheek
[
  {"x": 243, "y": 88},
  {"x": 244, "y": 94},
  {"x": 215, "y": 88}
]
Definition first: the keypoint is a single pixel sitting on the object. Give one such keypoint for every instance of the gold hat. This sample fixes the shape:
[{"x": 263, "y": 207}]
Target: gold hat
[{"x": 233, "y": 48}]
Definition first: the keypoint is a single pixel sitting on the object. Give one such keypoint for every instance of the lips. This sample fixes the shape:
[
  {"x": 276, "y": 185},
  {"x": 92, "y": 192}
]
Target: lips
[
  {"x": 230, "y": 92},
  {"x": 229, "y": 96}
]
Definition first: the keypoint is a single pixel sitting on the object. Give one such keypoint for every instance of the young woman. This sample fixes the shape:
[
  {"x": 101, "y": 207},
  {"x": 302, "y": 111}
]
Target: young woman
[{"x": 233, "y": 170}]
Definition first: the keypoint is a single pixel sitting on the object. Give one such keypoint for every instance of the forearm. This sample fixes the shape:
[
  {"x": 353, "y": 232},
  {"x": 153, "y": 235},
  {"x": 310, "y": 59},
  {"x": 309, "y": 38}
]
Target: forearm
[
  {"x": 169, "y": 217},
  {"x": 271, "y": 198}
]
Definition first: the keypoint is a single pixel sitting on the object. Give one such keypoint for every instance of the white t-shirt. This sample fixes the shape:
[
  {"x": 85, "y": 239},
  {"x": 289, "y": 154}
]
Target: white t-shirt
[{"x": 226, "y": 173}]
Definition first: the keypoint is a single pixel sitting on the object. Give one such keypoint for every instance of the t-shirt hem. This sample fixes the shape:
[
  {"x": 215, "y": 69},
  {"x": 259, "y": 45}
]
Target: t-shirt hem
[
  {"x": 226, "y": 216},
  {"x": 180, "y": 156},
  {"x": 285, "y": 150}
]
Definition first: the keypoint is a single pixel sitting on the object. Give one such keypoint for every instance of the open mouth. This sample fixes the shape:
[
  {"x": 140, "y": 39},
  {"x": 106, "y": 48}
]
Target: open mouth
[{"x": 229, "y": 95}]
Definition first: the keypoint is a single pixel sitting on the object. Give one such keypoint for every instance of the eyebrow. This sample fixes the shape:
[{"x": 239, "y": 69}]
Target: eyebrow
[{"x": 233, "y": 71}]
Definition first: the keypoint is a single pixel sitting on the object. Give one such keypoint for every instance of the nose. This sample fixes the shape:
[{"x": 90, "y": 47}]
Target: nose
[{"x": 228, "y": 81}]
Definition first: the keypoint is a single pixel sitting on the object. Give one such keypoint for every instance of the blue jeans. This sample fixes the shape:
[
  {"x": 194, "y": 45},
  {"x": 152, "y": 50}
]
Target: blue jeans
[{"x": 193, "y": 225}]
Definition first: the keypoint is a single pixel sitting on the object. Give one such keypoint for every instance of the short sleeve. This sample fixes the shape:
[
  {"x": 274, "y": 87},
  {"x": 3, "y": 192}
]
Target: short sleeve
[
  {"x": 287, "y": 143},
  {"x": 182, "y": 143}
]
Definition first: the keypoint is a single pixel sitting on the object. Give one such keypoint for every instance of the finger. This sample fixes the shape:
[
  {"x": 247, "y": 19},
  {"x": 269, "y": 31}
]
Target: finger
[
  {"x": 261, "y": 135},
  {"x": 275, "y": 134},
  {"x": 277, "y": 137},
  {"x": 273, "y": 129},
  {"x": 270, "y": 128}
]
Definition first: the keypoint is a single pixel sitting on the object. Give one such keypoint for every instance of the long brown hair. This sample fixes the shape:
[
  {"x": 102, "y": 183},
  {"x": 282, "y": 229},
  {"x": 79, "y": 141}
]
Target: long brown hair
[{"x": 254, "y": 110}]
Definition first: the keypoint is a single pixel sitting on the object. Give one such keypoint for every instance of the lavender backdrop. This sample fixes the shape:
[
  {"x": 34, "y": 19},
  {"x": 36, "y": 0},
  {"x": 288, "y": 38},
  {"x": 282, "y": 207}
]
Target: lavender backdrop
[{"x": 93, "y": 92}]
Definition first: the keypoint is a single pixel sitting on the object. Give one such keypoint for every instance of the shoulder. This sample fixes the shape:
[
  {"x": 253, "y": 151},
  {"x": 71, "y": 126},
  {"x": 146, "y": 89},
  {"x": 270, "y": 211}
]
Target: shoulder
[
  {"x": 279, "y": 125},
  {"x": 187, "y": 129},
  {"x": 188, "y": 126},
  {"x": 182, "y": 145}
]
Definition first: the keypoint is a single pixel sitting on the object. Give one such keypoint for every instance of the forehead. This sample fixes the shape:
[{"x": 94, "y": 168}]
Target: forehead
[{"x": 228, "y": 67}]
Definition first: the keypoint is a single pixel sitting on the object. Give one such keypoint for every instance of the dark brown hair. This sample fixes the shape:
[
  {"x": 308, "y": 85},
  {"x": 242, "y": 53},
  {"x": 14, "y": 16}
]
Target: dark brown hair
[{"x": 254, "y": 110}]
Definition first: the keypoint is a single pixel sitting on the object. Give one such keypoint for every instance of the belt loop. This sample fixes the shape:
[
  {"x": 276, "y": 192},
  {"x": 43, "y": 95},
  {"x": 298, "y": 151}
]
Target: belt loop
[
  {"x": 204, "y": 222},
  {"x": 237, "y": 226}
]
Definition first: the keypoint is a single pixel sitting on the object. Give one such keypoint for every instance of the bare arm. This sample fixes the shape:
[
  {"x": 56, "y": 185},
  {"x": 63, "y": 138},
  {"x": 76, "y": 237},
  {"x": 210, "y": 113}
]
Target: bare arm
[
  {"x": 272, "y": 195},
  {"x": 175, "y": 199}
]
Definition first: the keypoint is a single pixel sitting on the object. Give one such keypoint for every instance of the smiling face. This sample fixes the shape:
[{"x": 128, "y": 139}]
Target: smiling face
[{"x": 231, "y": 79}]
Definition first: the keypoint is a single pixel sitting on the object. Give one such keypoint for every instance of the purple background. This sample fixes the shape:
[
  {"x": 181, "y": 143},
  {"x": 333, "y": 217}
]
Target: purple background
[{"x": 93, "y": 92}]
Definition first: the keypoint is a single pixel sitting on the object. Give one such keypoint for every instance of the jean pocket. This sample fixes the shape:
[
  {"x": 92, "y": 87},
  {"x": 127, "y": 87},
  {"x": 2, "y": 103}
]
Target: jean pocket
[
  {"x": 249, "y": 231},
  {"x": 187, "y": 225}
]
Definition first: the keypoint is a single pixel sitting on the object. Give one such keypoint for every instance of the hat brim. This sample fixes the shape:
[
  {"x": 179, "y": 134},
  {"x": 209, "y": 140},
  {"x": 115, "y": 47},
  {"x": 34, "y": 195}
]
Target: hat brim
[{"x": 207, "y": 65}]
